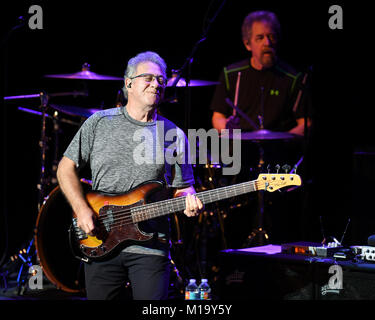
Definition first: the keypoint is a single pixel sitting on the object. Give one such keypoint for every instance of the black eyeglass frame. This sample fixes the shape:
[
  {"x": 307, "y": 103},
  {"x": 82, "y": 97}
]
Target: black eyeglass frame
[{"x": 160, "y": 79}]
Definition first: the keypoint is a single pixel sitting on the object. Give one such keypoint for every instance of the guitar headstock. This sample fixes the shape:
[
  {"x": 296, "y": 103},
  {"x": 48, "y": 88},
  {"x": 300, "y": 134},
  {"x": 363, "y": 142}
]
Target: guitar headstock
[{"x": 275, "y": 181}]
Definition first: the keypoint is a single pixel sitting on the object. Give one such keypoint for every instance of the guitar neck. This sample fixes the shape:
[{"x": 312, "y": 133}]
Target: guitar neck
[{"x": 161, "y": 208}]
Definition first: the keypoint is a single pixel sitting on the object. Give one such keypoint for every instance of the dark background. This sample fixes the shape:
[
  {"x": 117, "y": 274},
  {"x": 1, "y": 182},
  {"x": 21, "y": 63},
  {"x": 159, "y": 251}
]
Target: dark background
[{"x": 340, "y": 162}]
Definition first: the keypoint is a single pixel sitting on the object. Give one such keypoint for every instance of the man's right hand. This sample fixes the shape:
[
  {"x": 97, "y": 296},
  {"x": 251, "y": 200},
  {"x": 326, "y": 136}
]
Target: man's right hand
[
  {"x": 233, "y": 122},
  {"x": 86, "y": 220},
  {"x": 72, "y": 189}
]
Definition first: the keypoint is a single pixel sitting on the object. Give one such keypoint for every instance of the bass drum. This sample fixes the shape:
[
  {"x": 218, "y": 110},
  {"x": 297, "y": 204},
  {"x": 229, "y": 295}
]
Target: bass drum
[{"x": 52, "y": 242}]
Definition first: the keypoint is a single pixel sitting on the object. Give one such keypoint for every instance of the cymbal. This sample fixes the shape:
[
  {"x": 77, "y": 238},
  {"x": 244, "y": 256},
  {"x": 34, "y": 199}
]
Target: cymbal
[
  {"x": 192, "y": 83},
  {"x": 73, "y": 110},
  {"x": 84, "y": 74},
  {"x": 262, "y": 134}
]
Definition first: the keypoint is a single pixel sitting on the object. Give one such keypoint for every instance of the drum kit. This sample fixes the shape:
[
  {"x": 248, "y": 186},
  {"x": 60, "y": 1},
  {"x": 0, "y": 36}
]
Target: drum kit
[{"x": 59, "y": 263}]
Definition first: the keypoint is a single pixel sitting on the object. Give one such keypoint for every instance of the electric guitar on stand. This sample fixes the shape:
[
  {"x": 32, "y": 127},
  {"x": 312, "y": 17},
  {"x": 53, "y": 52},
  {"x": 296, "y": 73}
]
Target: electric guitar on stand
[{"x": 118, "y": 215}]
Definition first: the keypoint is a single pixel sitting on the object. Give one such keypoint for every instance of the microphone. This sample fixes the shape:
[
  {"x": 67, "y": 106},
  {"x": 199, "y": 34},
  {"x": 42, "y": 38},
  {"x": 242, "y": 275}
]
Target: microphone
[{"x": 371, "y": 241}]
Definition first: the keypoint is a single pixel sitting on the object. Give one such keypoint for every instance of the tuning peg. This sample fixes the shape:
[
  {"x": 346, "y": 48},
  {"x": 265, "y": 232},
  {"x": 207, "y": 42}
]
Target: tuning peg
[
  {"x": 277, "y": 167},
  {"x": 286, "y": 168},
  {"x": 268, "y": 168},
  {"x": 295, "y": 169}
]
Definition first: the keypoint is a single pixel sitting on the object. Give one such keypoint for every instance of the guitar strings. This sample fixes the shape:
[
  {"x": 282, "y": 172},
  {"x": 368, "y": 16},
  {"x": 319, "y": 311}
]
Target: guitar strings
[
  {"x": 128, "y": 215},
  {"x": 159, "y": 204}
]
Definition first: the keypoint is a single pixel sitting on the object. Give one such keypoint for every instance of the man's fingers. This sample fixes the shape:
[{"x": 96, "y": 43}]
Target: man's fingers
[
  {"x": 87, "y": 225},
  {"x": 193, "y": 205}
]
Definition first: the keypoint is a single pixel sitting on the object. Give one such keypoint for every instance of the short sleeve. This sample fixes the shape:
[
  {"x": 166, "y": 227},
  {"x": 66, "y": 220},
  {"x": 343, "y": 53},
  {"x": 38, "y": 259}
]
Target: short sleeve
[
  {"x": 218, "y": 103},
  {"x": 81, "y": 145},
  {"x": 179, "y": 171}
]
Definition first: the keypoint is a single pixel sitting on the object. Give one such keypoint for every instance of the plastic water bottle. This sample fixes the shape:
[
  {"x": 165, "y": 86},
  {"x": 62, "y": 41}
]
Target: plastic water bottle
[
  {"x": 204, "y": 290},
  {"x": 191, "y": 290}
]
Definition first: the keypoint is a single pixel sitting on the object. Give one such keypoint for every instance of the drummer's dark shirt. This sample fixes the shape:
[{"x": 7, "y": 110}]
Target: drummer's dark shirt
[{"x": 280, "y": 84}]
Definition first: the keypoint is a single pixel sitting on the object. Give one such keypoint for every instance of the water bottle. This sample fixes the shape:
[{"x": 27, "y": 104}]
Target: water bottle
[
  {"x": 205, "y": 290},
  {"x": 191, "y": 290}
]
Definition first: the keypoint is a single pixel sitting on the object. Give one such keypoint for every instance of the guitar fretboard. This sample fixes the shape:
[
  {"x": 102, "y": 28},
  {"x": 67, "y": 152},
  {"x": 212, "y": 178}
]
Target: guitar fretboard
[{"x": 157, "y": 209}]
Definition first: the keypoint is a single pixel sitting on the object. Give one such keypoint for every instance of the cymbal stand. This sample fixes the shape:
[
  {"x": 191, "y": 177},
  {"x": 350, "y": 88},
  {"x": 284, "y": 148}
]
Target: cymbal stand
[
  {"x": 187, "y": 63},
  {"x": 27, "y": 260},
  {"x": 55, "y": 161},
  {"x": 259, "y": 236},
  {"x": 31, "y": 250},
  {"x": 43, "y": 148}
]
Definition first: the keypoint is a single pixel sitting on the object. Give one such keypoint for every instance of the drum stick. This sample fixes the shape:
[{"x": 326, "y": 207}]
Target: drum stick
[{"x": 236, "y": 92}]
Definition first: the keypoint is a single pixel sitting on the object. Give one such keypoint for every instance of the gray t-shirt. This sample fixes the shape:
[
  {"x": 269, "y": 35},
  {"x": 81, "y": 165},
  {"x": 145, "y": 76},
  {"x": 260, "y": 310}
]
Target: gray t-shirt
[{"x": 123, "y": 153}]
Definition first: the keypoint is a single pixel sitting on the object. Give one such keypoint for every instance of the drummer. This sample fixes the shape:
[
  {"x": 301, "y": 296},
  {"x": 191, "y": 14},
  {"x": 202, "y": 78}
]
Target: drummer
[{"x": 265, "y": 88}]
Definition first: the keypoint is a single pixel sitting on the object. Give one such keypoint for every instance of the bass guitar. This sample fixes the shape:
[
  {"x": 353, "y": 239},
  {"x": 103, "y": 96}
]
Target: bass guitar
[{"x": 118, "y": 215}]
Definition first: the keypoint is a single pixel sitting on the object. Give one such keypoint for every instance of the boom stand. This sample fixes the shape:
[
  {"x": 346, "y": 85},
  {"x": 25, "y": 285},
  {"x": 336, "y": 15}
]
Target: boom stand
[{"x": 258, "y": 236}]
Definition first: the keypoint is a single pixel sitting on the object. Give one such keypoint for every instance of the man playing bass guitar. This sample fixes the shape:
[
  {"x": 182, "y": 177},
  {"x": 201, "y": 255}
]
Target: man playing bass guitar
[{"x": 109, "y": 142}]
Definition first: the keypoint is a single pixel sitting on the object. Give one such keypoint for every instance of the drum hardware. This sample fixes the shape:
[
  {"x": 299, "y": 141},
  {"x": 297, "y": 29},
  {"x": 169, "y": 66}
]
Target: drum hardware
[
  {"x": 43, "y": 147},
  {"x": 28, "y": 256},
  {"x": 57, "y": 94},
  {"x": 43, "y": 139},
  {"x": 192, "y": 252},
  {"x": 258, "y": 136},
  {"x": 31, "y": 111},
  {"x": 242, "y": 114},
  {"x": 74, "y": 110},
  {"x": 191, "y": 83},
  {"x": 176, "y": 283},
  {"x": 213, "y": 184},
  {"x": 44, "y": 105},
  {"x": 69, "y": 110},
  {"x": 19, "y": 265},
  {"x": 60, "y": 262},
  {"x": 84, "y": 74},
  {"x": 258, "y": 236},
  {"x": 261, "y": 135},
  {"x": 30, "y": 252},
  {"x": 187, "y": 66}
]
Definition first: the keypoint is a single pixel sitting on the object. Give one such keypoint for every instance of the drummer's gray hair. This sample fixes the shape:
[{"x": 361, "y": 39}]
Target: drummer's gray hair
[
  {"x": 267, "y": 16},
  {"x": 148, "y": 56}
]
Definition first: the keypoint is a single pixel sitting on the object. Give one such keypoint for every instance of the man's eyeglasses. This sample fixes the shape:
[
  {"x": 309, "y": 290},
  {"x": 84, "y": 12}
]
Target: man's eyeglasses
[{"x": 149, "y": 77}]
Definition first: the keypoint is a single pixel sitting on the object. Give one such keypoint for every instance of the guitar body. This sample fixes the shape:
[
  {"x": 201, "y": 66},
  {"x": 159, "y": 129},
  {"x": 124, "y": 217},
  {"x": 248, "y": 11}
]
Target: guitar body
[{"x": 111, "y": 235}]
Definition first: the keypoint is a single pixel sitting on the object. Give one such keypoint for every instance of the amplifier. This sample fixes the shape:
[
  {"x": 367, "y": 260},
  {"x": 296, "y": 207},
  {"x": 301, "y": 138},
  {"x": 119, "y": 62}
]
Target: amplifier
[
  {"x": 366, "y": 253},
  {"x": 310, "y": 249}
]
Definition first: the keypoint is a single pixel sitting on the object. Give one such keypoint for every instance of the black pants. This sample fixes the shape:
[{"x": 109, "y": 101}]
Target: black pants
[{"x": 148, "y": 276}]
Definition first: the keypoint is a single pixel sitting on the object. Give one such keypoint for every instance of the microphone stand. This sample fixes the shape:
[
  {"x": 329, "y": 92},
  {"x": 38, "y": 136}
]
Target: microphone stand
[
  {"x": 259, "y": 233},
  {"x": 178, "y": 75},
  {"x": 187, "y": 65}
]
